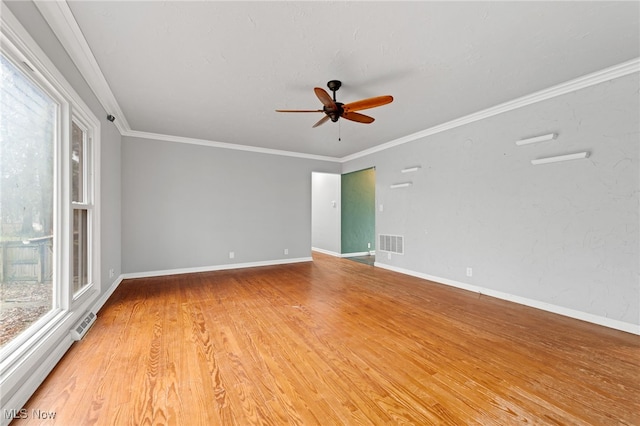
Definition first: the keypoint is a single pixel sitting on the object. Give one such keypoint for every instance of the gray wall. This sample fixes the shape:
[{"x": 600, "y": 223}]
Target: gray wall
[
  {"x": 110, "y": 243},
  {"x": 188, "y": 206},
  {"x": 325, "y": 215},
  {"x": 565, "y": 234}
]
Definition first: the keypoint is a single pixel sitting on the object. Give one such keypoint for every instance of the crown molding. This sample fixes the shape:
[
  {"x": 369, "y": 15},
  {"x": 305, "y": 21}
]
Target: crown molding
[
  {"x": 62, "y": 22},
  {"x": 607, "y": 74},
  {"x": 35, "y": 58},
  {"x": 64, "y": 25},
  {"x": 226, "y": 145}
]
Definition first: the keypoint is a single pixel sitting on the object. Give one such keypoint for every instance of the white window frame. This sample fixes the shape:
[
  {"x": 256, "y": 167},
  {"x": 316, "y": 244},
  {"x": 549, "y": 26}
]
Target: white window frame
[
  {"x": 27, "y": 359},
  {"x": 87, "y": 204}
]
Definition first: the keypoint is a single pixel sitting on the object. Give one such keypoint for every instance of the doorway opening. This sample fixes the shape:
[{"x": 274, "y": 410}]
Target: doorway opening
[
  {"x": 358, "y": 215},
  {"x": 343, "y": 215}
]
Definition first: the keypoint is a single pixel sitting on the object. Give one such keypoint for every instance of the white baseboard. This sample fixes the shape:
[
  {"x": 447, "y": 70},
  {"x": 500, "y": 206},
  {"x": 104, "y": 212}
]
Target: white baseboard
[
  {"x": 34, "y": 380},
  {"x": 360, "y": 253},
  {"x": 211, "y": 268},
  {"x": 334, "y": 254},
  {"x": 323, "y": 251},
  {"x": 106, "y": 295},
  {"x": 561, "y": 310}
]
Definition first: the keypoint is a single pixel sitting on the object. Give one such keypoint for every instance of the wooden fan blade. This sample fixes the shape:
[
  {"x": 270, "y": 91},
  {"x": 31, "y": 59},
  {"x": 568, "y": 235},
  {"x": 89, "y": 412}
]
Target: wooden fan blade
[
  {"x": 299, "y": 110},
  {"x": 322, "y": 121},
  {"x": 355, "y": 116},
  {"x": 325, "y": 98},
  {"x": 368, "y": 103}
]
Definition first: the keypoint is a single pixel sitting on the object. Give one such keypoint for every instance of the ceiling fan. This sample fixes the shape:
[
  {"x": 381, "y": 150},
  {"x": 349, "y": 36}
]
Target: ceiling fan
[{"x": 334, "y": 110}]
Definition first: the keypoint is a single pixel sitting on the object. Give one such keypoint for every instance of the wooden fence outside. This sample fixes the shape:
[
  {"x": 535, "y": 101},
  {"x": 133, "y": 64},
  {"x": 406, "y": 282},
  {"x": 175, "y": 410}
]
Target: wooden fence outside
[{"x": 32, "y": 261}]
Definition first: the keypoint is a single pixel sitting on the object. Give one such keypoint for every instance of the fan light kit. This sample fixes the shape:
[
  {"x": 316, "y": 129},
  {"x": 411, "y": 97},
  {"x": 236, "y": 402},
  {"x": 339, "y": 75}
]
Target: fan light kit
[{"x": 334, "y": 110}]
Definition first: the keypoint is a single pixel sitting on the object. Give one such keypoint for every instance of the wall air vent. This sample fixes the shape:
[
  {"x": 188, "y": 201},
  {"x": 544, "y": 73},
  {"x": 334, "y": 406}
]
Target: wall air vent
[
  {"x": 78, "y": 332},
  {"x": 391, "y": 243}
]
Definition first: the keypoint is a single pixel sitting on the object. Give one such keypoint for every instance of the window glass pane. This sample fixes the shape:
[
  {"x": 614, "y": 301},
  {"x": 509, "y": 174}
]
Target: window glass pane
[
  {"x": 77, "y": 163},
  {"x": 80, "y": 250},
  {"x": 28, "y": 119}
]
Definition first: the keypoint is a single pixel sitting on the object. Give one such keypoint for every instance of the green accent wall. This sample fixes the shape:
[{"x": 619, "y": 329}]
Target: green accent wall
[{"x": 358, "y": 211}]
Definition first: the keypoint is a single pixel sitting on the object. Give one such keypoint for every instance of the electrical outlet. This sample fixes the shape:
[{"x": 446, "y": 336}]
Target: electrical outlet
[
  {"x": 369, "y": 245},
  {"x": 111, "y": 273},
  {"x": 469, "y": 272},
  {"x": 232, "y": 255},
  {"x": 286, "y": 251}
]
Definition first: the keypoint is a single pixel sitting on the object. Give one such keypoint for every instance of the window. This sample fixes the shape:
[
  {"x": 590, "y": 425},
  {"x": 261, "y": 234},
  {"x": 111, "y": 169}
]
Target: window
[
  {"x": 81, "y": 201},
  {"x": 28, "y": 121},
  {"x": 49, "y": 212}
]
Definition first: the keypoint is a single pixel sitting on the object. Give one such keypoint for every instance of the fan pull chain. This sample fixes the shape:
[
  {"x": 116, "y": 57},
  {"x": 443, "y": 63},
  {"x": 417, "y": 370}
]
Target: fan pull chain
[{"x": 339, "y": 130}]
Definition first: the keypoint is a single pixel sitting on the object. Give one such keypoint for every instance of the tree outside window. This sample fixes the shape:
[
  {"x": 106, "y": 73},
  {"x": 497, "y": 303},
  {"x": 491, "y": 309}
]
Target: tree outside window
[{"x": 28, "y": 118}]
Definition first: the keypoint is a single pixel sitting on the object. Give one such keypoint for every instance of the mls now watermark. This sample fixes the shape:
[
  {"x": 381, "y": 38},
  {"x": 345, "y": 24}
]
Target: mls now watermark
[{"x": 23, "y": 413}]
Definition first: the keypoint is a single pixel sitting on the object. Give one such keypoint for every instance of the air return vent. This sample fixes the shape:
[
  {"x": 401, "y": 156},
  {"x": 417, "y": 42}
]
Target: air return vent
[
  {"x": 78, "y": 332},
  {"x": 391, "y": 243}
]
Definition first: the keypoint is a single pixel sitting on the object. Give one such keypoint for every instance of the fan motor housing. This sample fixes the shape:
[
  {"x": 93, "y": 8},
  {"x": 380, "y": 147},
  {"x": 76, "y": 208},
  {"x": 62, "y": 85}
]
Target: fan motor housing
[{"x": 334, "y": 115}]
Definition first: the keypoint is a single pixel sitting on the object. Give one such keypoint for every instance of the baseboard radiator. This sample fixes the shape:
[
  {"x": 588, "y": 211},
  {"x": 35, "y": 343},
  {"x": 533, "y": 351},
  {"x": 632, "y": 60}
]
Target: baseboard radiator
[{"x": 78, "y": 332}]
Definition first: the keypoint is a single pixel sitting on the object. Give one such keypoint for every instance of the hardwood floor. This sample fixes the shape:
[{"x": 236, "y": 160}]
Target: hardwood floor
[{"x": 335, "y": 342}]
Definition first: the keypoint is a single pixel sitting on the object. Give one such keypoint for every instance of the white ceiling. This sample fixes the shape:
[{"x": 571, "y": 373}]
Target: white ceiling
[{"x": 216, "y": 71}]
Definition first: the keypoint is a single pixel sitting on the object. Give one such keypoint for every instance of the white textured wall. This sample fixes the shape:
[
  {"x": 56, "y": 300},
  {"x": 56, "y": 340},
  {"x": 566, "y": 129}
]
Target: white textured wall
[
  {"x": 564, "y": 234},
  {"x": 325, "y": 212}
]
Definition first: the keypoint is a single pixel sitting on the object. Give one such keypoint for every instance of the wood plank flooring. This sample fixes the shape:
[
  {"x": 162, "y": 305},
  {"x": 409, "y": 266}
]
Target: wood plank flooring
[{"x": 335, "y": 342}]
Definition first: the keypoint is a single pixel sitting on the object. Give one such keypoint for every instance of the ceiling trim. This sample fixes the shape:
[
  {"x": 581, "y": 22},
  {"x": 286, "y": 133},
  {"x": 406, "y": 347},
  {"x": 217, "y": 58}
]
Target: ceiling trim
[
  {"x": 225, "y": 145},
  {"x": 64, "y": 25},
  {"x": 607, "y": 74},
  {"x": 24, "y": 48},
  {"x": 61, "y": 20}
]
